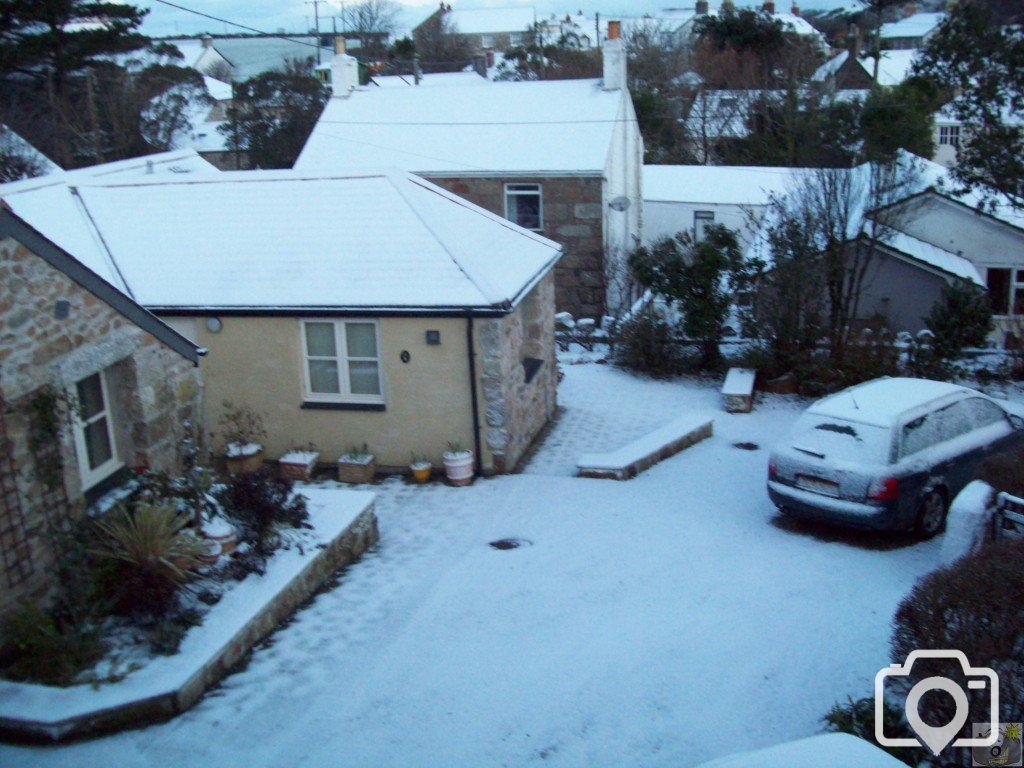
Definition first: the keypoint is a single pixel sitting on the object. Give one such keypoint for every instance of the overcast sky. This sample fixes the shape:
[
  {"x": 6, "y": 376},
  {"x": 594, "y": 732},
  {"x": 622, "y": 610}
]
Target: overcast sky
[{"x": 296, "y": 15}]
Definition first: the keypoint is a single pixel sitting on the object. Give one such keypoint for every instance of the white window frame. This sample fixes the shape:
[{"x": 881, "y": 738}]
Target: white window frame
[
  {"x": 708, "y": 217},
  {"x": 517, "y": 189},
  {"x": 94, "y": 475},
  {"x": 341, "y": 348},
  {"x": 949, "y": 135}
]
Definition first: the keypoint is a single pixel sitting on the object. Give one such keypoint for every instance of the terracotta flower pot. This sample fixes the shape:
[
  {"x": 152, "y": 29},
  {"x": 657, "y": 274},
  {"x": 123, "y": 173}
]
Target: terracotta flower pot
[{"x": 421, "y": 471}]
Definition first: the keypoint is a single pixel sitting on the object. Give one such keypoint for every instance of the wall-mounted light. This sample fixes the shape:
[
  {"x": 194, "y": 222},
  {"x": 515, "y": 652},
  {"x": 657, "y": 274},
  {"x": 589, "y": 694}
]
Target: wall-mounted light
[{"x": 214, "y": 325}]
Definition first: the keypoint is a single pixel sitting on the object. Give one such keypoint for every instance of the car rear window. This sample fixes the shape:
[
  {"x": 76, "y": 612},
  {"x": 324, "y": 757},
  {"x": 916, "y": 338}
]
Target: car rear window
[{"x": 841, "y": 440}]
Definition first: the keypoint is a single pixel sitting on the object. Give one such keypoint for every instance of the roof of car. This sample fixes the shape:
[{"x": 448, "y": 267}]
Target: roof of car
[{"x": 882, "y": 402}]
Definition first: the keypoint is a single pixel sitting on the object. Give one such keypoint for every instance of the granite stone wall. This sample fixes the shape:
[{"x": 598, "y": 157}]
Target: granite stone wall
[
  {"x": 513, "y": 347},
  {"x": 573, "y": 216},
  {"x": 54, "y": 333}
]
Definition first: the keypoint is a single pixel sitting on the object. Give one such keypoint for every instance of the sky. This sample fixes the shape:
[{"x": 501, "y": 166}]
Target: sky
[{"x": 297, "y": 15}]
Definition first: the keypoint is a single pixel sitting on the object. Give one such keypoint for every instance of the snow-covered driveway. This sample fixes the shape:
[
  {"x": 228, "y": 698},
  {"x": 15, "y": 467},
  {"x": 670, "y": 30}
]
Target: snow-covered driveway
[{"x": 657, "y": 622}]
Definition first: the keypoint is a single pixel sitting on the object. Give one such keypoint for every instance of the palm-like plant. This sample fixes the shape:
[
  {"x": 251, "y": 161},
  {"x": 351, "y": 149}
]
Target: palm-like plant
[{"x": 151, "y": 555}]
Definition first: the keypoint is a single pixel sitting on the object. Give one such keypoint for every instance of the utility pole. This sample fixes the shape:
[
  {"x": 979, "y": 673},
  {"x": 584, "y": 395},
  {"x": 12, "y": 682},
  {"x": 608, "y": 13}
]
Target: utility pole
[{"x": 316, "y": 16}]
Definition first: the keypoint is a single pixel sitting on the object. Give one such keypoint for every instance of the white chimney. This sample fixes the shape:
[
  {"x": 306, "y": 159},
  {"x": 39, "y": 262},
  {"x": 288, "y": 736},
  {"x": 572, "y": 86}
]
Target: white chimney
[
  {"x": 614, "y": 56},
  {"x": 344, "y": 75}
]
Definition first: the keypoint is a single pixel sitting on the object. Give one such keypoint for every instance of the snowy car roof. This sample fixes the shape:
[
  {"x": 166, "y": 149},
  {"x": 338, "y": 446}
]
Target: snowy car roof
[
  {"x": 283, "y": 241},
  {"x": 882, "y": 402},
  {"x": 563, "y": 126}
]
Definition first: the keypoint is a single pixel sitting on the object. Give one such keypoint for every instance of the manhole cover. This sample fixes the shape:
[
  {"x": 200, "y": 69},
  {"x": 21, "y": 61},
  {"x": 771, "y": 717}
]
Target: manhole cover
[
  {"x": 746, "y": 446},
  {"x": 510, "y": 543}
]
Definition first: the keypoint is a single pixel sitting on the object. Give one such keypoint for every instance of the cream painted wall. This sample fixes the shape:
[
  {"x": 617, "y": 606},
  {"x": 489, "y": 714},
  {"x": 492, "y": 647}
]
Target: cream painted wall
[{"x": 257, "y": 361}]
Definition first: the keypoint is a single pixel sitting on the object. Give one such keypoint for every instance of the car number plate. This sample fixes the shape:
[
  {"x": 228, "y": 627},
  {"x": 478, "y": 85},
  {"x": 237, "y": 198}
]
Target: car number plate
[{"x": 817, "y": 485}]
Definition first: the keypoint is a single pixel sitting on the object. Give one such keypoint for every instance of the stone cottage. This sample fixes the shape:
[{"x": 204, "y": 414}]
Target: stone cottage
[
  {"x": 90, "y": 385},
  {"x": 369, "y": 307},
  {"x": 562, "y": 158}
]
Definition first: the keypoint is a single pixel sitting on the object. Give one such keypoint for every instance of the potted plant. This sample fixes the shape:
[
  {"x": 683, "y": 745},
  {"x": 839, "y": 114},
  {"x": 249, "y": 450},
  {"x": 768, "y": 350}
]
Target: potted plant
[
  {"x": 299, "y": 463},
  {"x": 458, "y": 465},
  {"x": 420, "y": 469},
  {"x": 243, "y": 433},
  {"x": 357, "y": 465}
]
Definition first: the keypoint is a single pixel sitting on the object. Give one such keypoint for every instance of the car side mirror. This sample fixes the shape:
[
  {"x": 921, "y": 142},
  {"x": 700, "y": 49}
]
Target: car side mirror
[{"x": 1016, "y": 421}]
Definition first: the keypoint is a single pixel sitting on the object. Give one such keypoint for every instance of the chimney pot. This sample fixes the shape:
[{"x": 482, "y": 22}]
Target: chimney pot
[
  {"x": 795, "y": 10},
  {"x": 769, "y": 7},
  {"x": 614, "y": 28},
  {"x": 207, "y": 41},
  {"x": 339, "y": 45},
  {"x": 702, "y": 7}
]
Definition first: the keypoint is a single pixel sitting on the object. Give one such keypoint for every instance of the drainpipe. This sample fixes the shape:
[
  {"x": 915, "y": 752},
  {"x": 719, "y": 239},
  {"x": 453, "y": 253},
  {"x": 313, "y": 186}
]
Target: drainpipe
[{"x": 472, "y": 388}]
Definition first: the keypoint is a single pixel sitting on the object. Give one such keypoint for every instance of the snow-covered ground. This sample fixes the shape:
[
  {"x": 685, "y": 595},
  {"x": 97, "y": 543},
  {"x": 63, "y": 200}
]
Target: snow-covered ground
[{"x": 663, "y": 621}]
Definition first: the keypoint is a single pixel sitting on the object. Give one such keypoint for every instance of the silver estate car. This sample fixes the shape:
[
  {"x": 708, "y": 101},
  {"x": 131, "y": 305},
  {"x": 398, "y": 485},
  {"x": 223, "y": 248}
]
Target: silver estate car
[{"x": 889, "y": 454}]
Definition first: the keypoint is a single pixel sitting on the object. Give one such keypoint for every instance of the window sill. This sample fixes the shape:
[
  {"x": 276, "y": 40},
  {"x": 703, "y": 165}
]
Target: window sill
[
  {"x": 314, "y": 405},
  {"x": 118, "y": 476}
]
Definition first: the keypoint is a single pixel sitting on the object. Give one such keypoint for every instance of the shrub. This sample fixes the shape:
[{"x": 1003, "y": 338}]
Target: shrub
[
  {"x": 259, "y": 501},
  {"x": 1004, "y": 472},
  {"x": 241, "y": 424},
  {"x": 649, "y": 344},
  {"x": 858, "y": 719},
  {"x": 151, "y": 554},
  {"x": 975, "y": 605},
  {"x": 36, "y": 648},
  {"x": 961, "y": 317}
]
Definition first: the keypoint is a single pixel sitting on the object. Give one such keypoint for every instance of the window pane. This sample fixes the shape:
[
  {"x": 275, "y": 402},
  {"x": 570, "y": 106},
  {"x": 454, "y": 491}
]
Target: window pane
[
  {"x": 701, "y": 221},
  {"x": 323, "y": 377},
  {"x": 363, "y": 378},
  {"x": 1018, "y": 301},
  {"x": 320, "y": 340},
  {"x": 525, "y": 210},
  {"x": 361, "y": 339},
  {"x": 97, "y": 443},
  {"x": 984, "y": 413},
  {"x": 999, "y": 290},
  {"x": 90, "y": 397}
]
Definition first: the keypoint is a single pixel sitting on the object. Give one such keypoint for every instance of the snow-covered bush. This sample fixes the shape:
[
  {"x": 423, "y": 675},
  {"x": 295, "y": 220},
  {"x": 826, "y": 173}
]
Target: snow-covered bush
[
  {"x": 649, "y": 344},
  {"x": 858, "y": 719}
]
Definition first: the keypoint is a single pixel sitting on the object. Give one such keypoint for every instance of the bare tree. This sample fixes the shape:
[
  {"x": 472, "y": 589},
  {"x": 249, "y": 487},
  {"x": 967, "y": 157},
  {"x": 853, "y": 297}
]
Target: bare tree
[
  {"x": 440, "y": 46},
  {"x": 373, "y": 22}
]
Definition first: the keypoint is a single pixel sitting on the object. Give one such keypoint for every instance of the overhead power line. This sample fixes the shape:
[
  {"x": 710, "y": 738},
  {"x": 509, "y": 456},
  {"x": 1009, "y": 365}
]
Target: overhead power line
[{"x": 236, "y": 24}]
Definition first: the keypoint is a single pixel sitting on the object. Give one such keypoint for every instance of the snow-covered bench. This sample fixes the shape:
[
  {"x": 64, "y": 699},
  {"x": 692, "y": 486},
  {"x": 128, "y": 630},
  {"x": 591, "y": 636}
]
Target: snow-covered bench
[
  {"x": 738, "y": 390},
  {"x": 643, "y": 453}
]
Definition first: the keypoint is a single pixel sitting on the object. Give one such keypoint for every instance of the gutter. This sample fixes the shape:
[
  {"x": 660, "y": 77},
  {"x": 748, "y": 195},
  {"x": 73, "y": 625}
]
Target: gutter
[{"x": 471, "y": 352}]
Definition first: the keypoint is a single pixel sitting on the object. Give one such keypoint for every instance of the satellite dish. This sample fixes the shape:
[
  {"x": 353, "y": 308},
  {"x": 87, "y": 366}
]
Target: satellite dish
[{"x": 620, "y": 204}]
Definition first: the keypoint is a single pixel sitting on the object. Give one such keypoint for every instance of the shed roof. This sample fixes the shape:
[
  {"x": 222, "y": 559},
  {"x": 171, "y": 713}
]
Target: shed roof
[
  {"x": 553, "y": 125},
  {"x": 716, "y": 184},
  {"x": 489, "y": 21}
]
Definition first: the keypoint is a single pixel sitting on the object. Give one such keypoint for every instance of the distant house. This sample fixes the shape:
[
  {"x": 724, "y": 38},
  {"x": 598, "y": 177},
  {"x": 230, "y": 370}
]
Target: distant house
[
  {"x": 117, "y": 387},
  {"x": 240, "y": 58},
  {"x": 792, "y": 21},
  {"x": 559, "y": 157},
  {"x": 911, "y": 32},
  {"x": 689, "y": 198},
  {"x": 849, "y": 71},
  {"x": 930, "y": 237},
  {"x": 486, "y": 28},
  {"x": 347, "y": 308}
]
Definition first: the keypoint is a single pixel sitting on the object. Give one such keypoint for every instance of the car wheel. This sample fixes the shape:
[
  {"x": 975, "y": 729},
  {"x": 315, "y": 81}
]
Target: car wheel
[{"x": 931, "y": 514}]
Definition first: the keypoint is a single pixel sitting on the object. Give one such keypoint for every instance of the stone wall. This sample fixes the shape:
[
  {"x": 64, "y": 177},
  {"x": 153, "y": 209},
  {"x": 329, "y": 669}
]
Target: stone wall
[
  {"x": 572, "y": 212},
  {"x": 153, "y": 392},
  {"x": 516, "y": 410}
]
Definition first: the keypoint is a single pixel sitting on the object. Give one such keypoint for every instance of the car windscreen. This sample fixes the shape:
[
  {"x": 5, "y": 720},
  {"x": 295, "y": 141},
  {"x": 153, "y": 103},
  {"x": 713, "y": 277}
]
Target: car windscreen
[{"x": 835, "y": 439}]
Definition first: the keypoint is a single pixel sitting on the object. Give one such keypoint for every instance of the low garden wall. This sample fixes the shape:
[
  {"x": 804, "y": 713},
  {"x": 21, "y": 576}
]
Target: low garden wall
[{"x": 167, "y": 686}]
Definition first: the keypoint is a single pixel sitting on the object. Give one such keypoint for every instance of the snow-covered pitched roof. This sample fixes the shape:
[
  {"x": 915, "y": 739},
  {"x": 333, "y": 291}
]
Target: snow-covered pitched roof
[
  {"x": 12, "y": 143},
  {"x": 933, "y": 256},
  {"x": 218, "y": 89},
  {"x": 489, "y": 21},
  {"x": 249, "y": 56},
  {"x": 917, "y": 25},
  {"x": 283, "y": 240},
  {"x": 715, "y": 184},
  {"x": 432, "y": 79},
  {"x": 49, "y": 205},
  {"x": 830, "y": 67},
  {"x": 893, "y": 68},
  {"x": 563, "y": 126}
]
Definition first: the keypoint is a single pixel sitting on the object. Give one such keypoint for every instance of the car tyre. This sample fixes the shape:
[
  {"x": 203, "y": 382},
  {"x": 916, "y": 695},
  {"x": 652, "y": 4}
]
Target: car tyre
[{"x": 931, "y": 514}]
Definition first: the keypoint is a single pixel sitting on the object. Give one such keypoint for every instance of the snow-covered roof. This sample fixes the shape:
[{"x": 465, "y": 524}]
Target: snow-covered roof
[
  {"x": 830, "y": 67},
  {"x": 715, "y": 184},
  {"x": 249, "y": 56},
  {"x": 12, "y": 143},
  {"x": 933, "y": 256},
  {"x": 834, "y": 750},
  {"x": 191, "y": 50},
  {"x": 489, "y": 21},
  {"x": 432, "y": 79},
  {"x": 917, "y": 25},
  {"x": 562, "y": 126},
  {"x": 46, "y": 203},
  {"x": 893, "y": 68},
  {"x": 882, "y": 401},
  {"x": 284, "y": 240},
  {"x": 218, "y": 89},
  {"x": 790, "y": 21}
]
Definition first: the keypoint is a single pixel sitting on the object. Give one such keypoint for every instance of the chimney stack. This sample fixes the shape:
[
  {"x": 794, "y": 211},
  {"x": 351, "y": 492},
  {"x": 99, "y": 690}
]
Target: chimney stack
[
  {"x": 853, "y": 41},
  {"x": 207, "y": 41},
  {"x": 795, "y": 10},
  {"x": 702, "y": 7},
  {"x": 769, "y": 7},
  {"x": 614, "y": 59},
  {"x": 339, "y": 45},
  {"x": 344, "y": 75}
]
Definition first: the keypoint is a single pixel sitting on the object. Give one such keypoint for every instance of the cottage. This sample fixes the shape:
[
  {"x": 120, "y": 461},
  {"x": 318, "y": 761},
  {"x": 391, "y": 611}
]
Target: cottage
[
  {"x": 560, "y": 158},
  {"x": 90, "y": 382},
  {"x": 362, "y": 307},
  {"x": 911, "y": 32},
  {"x": 484, "y": 28}
]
